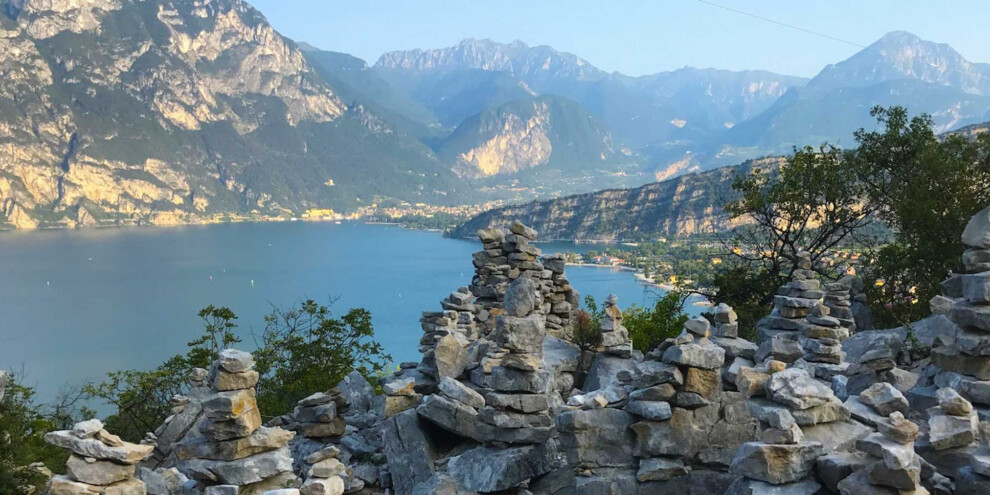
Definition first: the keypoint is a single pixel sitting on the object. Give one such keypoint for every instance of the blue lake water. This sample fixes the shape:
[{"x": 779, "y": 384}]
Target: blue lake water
[{"x": 77, "y": 304}]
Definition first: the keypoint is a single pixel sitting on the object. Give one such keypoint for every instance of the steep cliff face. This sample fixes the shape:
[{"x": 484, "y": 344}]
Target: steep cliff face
[
  {"x": 527, "y": 134},
  {"x": 167, "y": 111},
  {"x": 688, "y": 204}
]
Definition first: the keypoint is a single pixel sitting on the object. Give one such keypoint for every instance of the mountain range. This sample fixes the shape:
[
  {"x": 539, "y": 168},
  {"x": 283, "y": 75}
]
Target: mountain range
[{"x": 165, "y": 111}]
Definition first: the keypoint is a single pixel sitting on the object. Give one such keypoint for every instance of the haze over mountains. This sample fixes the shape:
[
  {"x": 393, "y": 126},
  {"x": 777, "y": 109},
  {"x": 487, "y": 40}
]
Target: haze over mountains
[{"x": 164, "y": 111}]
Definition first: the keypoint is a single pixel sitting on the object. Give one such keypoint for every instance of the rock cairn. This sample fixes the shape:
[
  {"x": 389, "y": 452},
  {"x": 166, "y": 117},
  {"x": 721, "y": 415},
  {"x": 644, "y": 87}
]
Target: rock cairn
[
  {"x": 783, "y": 457},
  {"x": 508, "y": 256},
  {"x": 324, "y": 474},
  {"x": 658, "y": 423},
  {"x": 470, "y": 313},
  {"x": 738, "y": 352},
  {"x": 505, "y": 405},
  {"x": 615, "y": 337},
  {"x": 964, "y": 356},
  {"x": 891, "y": 464},
  {"x": 100, "y": 463},
  {"x": 233, "y": 452},
  {"x": 838, "y": 299}
]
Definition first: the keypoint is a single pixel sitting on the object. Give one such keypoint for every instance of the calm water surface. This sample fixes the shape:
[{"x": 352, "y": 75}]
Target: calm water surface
[{"x": 76, "y": 304}]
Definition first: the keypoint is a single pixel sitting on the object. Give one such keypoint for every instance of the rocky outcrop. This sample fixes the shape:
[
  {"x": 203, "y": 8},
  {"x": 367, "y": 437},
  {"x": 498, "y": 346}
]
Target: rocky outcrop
[
  {"x": 197, "y": 91},
  {"x": 684, "y": 205}
]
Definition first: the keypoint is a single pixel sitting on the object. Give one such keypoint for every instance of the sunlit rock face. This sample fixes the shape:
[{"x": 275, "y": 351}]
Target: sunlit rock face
[{"x": 160, "y": 112}]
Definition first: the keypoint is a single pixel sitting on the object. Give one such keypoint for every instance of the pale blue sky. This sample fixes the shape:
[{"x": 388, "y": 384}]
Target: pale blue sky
[{"x": 637, "y": 37}]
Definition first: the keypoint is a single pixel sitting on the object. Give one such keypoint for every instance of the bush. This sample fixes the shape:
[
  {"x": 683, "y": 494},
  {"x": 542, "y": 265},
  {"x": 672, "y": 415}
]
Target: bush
[
  {"x": 23, "y": 425},
  {"x": 301, "y": 351},
  {"x": 305, "y": 350},
  {"x": 587, "y": 334},
  {"x": 648, "y": 327}
]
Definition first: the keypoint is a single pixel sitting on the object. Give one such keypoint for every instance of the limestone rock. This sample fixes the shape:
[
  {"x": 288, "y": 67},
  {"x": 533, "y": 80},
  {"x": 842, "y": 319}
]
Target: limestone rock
[
  {"x": 90, "y": 447},
  {"x": 884, "y": 399},
  {"x": 775, "y": 464},
  {"x": 660, "y": 469},
  {"x": 697, "y": 355},
  {"x": 63, "y": 485},
  {"x": 451, "y": 357},
  {"x": 97, "y": 472},
  {"x": 796, "y": 388},
  {"x": 460, "y": 392},
  {"x": 485, "y": 469},
  {"x": 261, "y": 440},
  {"x": 977, "y": 232},
  {"x": 520, "y": 297},
  {"x": 409, "y": 451},
  {"x": 235, "y": 361}
]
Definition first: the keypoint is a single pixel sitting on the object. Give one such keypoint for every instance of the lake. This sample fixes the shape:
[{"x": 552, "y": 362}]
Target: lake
[{"x": 77, "y": 304}]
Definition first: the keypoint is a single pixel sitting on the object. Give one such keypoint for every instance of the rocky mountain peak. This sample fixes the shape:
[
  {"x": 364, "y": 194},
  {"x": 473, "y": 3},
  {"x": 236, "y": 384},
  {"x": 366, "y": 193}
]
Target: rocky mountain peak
[{"x": 903, "y": 55}]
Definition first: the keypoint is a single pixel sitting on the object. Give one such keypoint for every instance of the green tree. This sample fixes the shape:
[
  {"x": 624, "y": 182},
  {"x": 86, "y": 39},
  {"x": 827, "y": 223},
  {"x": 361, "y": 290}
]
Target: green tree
[
  {"x": 23, "y": 425},
  {"x": 925, "y": 188},
  {"x": 648, "y": 327},
  {"x": 812, "y": 203},
  {"x": 304, "y": 349}
]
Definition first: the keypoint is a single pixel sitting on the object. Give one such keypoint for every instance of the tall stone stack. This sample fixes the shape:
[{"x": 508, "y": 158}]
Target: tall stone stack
[
  {"x": 232, "y": 452},
  {"x": 507, "y": 257},
  {"x": 505, "y": 405},
  {"x": 838, "y": 299},
  {"x": 802, "y": 327},
  {"x": 784, "y": 457},
  {"x": 100, "y": 463},
  {"x": 563, "y": 298},
  {"x": 965, "y": 356},
  {"x": 615, "y": 337},
  {"x": 891, "y": 464}
]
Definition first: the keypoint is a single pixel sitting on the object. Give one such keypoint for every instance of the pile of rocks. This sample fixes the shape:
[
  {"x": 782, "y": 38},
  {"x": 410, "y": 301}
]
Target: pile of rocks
[
  {"x": 615, "y": 337},
  {"x": 891, "y": 464},
  {"x": 506, "y": 404},
  {"x": 725, "y": 334},
  {"x": 793, "y": 302},
  {"x": 783, "y": 456},
  {"x": 324, "y": 473},
  {"x": 660, "y": 423},
  {"x": 965, "y": 355},
  {"x": 563, "y": 298},
  {"x": 318, "y": 416},
  {"x": 233, "y": 452},
  {"x": 507, "y": 257},
  {"x": 100, "y": 463},
  {"x": 838, "y": 299}
]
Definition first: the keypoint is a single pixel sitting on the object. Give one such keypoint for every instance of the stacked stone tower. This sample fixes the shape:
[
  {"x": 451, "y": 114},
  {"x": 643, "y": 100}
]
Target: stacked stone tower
[
  {"x": 100, "y": 463},
  {"x": 232, "y": 451},
  {"x": 966, "y": 355}
]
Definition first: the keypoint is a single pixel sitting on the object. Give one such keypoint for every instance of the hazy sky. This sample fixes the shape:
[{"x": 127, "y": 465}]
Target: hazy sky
[{"x": 637, "y": 37}]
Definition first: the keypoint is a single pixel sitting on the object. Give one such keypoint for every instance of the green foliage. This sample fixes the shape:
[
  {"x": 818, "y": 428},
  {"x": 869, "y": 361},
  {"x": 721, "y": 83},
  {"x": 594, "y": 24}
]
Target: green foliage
[
  {"x": 926, "y": 189},
  {"x": 305, "y": 350},
  {"x": 648, "y": 327},
  {"x": 23, "y": 425},
  {"x": 813, "y": 204},
  {"x": 586, "y": 334},
  {"x": 301, "y": 351}
]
